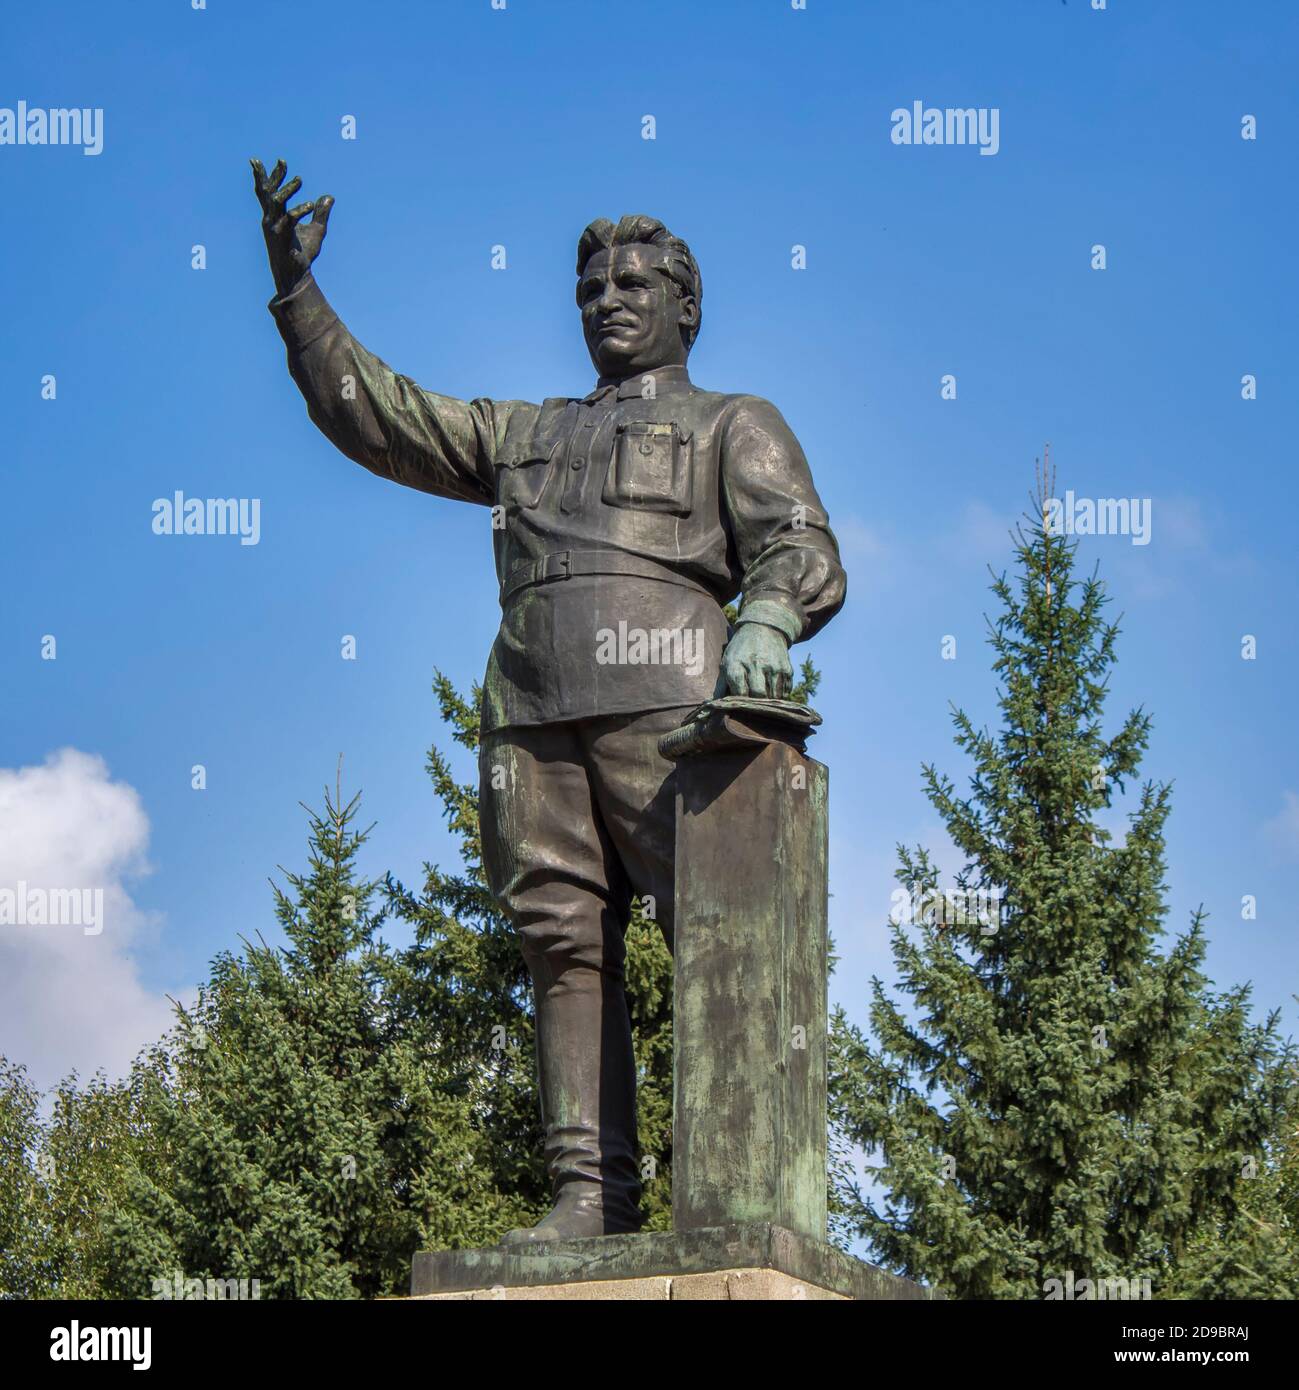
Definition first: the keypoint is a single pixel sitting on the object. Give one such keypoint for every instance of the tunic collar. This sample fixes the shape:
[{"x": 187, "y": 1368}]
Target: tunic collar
[{"x": 669, "y": 380}]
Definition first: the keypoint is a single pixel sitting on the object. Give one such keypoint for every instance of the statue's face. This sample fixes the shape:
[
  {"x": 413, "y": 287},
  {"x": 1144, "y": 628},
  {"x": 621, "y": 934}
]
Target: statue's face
[{"x": 632, "y": 316}]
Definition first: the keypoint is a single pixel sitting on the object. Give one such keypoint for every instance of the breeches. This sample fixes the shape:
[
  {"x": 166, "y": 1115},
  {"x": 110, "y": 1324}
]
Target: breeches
[{"x": 577, "y": 819}]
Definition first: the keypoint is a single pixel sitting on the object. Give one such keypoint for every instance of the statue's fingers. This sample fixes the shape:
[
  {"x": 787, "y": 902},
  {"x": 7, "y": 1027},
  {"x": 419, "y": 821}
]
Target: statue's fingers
[
  {"x": 736, "y": 678},
  {"x": 757, "y": 674},
  {"x": 259, "y": 182},
  {"x": 777, "y": 674},
  {"x": 298, "y": 213},
  {"x": 324, "y": 206},
  {"x": 287, "y": 192},
  {"x": 276, "y": 176},
  {"x": 786, "y": 677}
]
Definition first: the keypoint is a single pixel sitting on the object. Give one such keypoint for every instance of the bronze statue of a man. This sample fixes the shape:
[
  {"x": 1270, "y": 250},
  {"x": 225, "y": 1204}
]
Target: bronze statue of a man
[{"x": 623, "y": 521}]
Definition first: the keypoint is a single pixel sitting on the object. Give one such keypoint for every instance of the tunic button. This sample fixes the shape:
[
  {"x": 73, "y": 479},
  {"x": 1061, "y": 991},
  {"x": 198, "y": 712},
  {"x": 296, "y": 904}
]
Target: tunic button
[{"x": 578, "y": 463}]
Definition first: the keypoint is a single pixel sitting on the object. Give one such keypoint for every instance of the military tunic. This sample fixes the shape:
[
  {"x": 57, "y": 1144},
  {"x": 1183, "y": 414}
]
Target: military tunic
[{"x": 623, "y": 520}]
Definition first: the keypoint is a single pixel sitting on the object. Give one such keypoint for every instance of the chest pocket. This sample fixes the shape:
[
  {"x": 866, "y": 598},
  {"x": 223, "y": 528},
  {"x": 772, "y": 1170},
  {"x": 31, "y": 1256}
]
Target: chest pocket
[
  {"x": 650, "y": 469},
  {"x": 522, "y": 476}
]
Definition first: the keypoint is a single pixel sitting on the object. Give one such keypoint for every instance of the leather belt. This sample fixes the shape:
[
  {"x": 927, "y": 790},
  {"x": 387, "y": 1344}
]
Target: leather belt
[{"x": 564, "y": 564}]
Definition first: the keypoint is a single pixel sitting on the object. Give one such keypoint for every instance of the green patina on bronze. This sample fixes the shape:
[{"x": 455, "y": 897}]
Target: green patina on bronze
[
  {"x": 622, "y": 523},
  {"x": 749, "y": 1002}
]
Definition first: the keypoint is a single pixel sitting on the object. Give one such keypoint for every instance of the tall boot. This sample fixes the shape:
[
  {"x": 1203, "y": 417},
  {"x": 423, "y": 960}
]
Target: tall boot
[{"x": 588, "y": 1105}]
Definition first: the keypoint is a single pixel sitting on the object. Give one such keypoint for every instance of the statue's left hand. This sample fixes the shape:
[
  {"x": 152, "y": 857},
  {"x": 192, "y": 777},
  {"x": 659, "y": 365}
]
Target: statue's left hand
[{"x": 756, "y": 662}]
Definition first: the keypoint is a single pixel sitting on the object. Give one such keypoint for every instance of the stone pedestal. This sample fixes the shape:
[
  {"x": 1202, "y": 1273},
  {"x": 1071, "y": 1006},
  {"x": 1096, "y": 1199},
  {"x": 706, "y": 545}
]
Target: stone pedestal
[
  {"x": 757, "y": 1261},
  {"x": 749, "y": 1003}
]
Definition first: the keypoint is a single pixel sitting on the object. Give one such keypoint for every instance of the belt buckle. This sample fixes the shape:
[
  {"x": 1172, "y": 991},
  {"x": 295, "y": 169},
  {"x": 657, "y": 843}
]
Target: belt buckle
[{"x": 558, "y": 566}]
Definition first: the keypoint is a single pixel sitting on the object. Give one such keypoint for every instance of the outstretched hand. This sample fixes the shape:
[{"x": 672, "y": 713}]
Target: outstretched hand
[{"x": 291, "y": 243}]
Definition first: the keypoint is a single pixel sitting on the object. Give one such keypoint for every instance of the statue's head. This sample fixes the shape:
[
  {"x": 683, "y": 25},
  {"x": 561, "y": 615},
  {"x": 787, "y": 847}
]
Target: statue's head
[{"x": 639, "y": 289}]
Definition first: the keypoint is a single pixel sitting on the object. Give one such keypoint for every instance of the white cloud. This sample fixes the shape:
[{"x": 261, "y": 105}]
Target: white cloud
[{"x": 68, "y": 999}]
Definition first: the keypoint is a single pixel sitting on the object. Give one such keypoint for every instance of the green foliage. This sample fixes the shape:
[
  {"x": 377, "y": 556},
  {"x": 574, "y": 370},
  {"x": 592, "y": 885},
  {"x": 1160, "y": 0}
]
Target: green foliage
[
  {"x": 1251, "y": 1249},
  {"x": 1060, "y": 1094},
  {"x": 26, "y": 1262},
  {"x": 299, "y": 1136},
  {"x": 65, "y": 1162}
]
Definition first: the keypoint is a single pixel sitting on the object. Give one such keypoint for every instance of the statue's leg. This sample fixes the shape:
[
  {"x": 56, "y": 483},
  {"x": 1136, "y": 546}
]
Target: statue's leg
[
  {"x": 552, "y": 868},
  {"x": 635, "y": 791}
]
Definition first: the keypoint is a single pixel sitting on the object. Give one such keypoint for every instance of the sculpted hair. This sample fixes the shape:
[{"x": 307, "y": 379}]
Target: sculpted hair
[{"x": 637, "y": 229}]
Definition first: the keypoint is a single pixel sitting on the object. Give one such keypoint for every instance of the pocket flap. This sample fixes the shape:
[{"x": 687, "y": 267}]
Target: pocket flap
[
  {"x": 653, "y": 427},
  {"x": 530, "y": 453},
  {"x": 650, "y": 470}
]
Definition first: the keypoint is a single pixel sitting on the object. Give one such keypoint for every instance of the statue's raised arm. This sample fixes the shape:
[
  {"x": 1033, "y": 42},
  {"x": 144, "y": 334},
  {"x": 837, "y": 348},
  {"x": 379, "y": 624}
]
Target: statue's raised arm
[{"x": 374, "y": 415}]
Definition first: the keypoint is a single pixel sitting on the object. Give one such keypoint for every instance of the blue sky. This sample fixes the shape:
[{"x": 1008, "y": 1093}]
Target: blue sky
[{"x": 478, "y": 127}]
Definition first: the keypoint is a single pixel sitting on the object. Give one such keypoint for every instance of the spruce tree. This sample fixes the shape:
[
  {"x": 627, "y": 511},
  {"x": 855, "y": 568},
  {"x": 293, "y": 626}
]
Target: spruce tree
[
  {"x": 1059, "y": 1092},
  {"x": 297, "y": 1135},
  {"x": 1251, "y": 1249}
]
